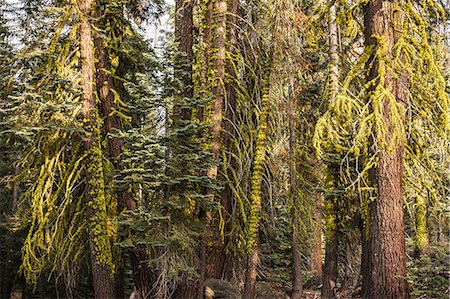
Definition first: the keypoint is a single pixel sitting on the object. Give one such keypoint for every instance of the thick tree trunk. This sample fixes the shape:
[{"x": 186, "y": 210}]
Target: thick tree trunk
[
  {"x": 297, "y": 286},
  {"x": 316, "y": 257},
  {"x": 386, "y": 277},
  {"x": 218, "y": 91},
  {"x": 99, "y": 243},
  {"x": 105, "y": 85},
  {"x": 387, "y": 259},
  {"x": 331, "y": 261},
  {"x": 218, "y": 260}
]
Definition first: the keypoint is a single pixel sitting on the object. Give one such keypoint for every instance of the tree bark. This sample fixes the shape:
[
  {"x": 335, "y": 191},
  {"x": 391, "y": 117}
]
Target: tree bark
[
  {"x": 331, "y": 248},
  {"x": 105, "y": 84},
  {"x": 183, "y": 65},
  {"x": 316, "y": 265},
  {"x": 331, "y": 261},
  {"x": 251, "y": 272},
  {"x": 99, "y": 243},
  {"x": 386, "y": 277},
  {"x": 218, "y": 260},
  {"x": 256, "y": 187},
  {"x": 334, "y": 57},
  {"x": 297, "y": 286},
  {"x": 218, "y": 91}
]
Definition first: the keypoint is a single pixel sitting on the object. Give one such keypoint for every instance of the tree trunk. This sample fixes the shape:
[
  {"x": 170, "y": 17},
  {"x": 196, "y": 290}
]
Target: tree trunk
[
  {"x": 387, "y": 260},
  {"x": 218, "y": 258},
  {"x": 334, "y": 57},
  {"x": 218, "y": 91},
  {"x": 182, "y": 110},
  {"x": 349, "y": 256},
  {"x": 422, "y": 243},
  {"x": 105, "y": 85},
  {"x": 183, "y": 64},
  {"x": 205, "y": 55},
  {"x": 250, "y": 274},
  {"x": 99, "y": 242},
  {"x": 331, "y": 249},
  {"x": 256, "y": 188},
  {"x": 316, "y": 265},
  {"x": 365, "y": 253},
  {"x": 297, "y": 286},
  {"x": 331, "y": 261}
]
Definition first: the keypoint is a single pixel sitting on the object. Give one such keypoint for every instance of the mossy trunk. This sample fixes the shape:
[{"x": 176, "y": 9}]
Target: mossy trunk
[
  {"x": 96, "y": 213},
  {"x": 331, "y": 247},
  {"x": 216, "y": 85},
  {"x": 105, "y": 84},
  {"x": 386, "y": 276},
  {"x": 256, "y": 189},
  {"x": 421, "y": 242},
  {"x": 218, "y": 261}
]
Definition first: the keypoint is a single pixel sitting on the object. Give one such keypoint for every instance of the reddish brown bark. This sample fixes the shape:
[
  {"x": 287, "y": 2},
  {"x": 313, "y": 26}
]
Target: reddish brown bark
[
  {"x": 251, "y": 271},
  {"x": 183, "y": 65},
  {"x": 387, "y": 258},
  {"x": 330, "y": 271},
  {"x": 102, "y": 276},
  {"x": 105, "y": 84},
  {"x": 218, "y": 260},
  {"x": 218, "y": 64}
]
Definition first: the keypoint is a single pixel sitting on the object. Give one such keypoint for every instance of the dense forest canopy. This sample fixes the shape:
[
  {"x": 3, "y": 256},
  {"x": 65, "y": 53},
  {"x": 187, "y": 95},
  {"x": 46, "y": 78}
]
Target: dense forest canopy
[{"x": 243, "y": 149}]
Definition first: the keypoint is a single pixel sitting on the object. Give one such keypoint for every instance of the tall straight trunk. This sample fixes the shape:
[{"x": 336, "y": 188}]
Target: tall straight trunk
[
  {"x": 217, "y": 263},
  {"x": 105, "y": 84},
  {"x": 218, "y": 91},
  {"x": 331, "y": 248},
  {"x": 182, "y": 111},
  {"x": 316, "y": 259},
  {"x": 99, "y": 243},
  {"x": 297, "y": 286},
  {"x": 387, "y": 260},
  {"x": 256, "y": 189},
  {"x": 331, "y": 261}
]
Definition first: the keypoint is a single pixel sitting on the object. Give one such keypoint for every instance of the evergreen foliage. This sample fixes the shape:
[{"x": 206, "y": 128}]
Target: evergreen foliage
[{"x": 231, "y": 150}]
